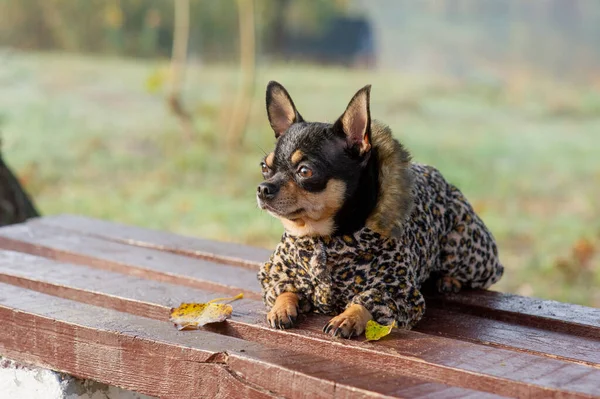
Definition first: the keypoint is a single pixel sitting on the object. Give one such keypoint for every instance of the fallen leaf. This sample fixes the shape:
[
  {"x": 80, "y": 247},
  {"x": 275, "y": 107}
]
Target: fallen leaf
[
  {"x": 155, "y": 81},
  {"x": 583, "y": 251},
  {"x": 191, "y": 316},
  {"x": 375, "y": 331}
]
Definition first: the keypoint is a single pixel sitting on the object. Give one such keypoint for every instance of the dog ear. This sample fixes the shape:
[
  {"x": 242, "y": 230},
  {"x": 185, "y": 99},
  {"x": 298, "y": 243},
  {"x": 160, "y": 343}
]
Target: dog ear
[
  {"x": 355, "y": 122},
  {"x": 281, "y": 110}
]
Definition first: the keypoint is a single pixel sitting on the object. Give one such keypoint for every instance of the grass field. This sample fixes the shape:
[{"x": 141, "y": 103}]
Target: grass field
[{"x": 86, "y": 136}]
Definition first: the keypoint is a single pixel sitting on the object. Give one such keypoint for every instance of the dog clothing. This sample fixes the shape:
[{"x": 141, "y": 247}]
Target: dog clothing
[{"x": 383, "y": 265}]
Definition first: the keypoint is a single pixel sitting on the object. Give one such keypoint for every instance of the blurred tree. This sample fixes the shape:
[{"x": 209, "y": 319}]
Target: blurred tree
[
  {"x": 150, "y": 33},
  {"x": 276, "y": 34},
  {"x": 145, "y": 27},
  {"x": 178, "y": 62},
  {"x": 555, "y": 36},
  {"x": 113, "y": 19},
  {"x": 243, "y": 102},
  {"x": 59, "y": 29}
]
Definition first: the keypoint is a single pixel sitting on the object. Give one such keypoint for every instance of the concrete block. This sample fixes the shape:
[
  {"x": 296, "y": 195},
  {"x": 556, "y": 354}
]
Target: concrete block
[{"x": 21, "y": 381}]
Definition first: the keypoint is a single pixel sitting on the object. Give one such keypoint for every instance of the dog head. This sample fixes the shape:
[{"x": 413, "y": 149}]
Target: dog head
[{"x": 315, "y": 168}]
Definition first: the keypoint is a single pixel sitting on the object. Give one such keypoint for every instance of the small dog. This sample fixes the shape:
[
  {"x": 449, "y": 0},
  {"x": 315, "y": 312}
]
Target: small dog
[{"x": 364, "y": 226}]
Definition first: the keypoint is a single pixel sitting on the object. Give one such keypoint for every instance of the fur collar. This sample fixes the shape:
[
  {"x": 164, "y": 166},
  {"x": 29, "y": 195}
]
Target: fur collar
[{"x": 395, "y": 183}]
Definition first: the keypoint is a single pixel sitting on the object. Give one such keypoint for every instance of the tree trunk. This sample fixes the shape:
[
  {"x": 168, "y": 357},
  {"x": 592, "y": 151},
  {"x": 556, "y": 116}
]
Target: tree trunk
[
  {"x": 243, "y": 102},
  {"x": 181, "y": 36}
]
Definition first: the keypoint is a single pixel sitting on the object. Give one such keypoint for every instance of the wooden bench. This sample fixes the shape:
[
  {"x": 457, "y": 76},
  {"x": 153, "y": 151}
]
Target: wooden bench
[{"x": 92, "y": 299}]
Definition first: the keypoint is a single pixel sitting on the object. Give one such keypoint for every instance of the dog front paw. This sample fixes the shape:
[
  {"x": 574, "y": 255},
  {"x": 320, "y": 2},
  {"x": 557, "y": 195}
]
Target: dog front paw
[
  {"x": 351, "y": 323},
  {"x": 447, "y": 285},
  {"x": 285, "y": 311}
]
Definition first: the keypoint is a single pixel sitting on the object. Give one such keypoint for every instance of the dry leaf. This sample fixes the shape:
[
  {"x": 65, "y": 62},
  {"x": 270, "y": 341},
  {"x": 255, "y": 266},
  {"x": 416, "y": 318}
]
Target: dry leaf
[
  {"x": 191, "y": 316},
  {"x": 583, "y": 250},
  {"x": 376, "y": 331},
  {"x": 155, "y": 81}
]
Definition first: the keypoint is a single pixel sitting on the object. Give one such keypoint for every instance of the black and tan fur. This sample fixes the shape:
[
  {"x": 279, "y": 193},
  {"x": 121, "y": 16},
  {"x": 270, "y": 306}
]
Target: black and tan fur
[{"x": 365, "y": 227}]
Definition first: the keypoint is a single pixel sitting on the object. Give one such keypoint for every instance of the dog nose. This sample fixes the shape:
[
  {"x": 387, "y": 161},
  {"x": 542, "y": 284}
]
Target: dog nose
[{"x": 267, "y": 191}]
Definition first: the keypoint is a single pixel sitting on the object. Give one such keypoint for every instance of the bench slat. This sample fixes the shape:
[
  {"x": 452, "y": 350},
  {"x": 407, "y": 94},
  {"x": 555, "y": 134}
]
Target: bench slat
[
  {"x": 577, "y": 319},
  {"x": 429, "y": 357},
  {"x": 543, "y": 342},
  {"x": 146, "y": 356},
  {"x": 236, "y": 254},
  {"x": 161, "y": 266}
]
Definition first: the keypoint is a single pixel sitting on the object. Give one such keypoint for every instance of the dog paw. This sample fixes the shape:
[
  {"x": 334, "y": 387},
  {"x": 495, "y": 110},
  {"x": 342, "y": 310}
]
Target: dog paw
[
  {"x": 351, "y": 323},
  {"x": 448, "y": 285},
  {"x": 285, "y": 311}
]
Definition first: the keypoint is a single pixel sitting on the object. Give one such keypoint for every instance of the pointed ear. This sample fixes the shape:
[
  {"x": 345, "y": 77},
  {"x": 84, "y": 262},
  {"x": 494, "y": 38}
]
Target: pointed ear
[
  {"x": 281, "y": 110},
  {"x": 355, "y": 122}
]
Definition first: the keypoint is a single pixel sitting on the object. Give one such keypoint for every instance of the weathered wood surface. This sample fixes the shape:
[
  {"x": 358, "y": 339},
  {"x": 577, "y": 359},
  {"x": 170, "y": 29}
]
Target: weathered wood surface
[
  {"x": 92, "y": 298},
  {"x": 152, "y": 357}
]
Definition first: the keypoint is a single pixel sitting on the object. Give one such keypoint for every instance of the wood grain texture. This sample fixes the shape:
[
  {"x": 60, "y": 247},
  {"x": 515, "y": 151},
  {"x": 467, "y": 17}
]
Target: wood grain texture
[
  {"x": 153, "y": 264},
  {"x": 563, "y": 344},
  {"x": 425, "y": 357},
  {"x": 494, "y": 343},
  {"x": 552, "y": 315},
  {"x": 531, "y": 311},
  {"x": 126, "y": 293},
  {"x": 154, "y": 358},
  {"x": 235, "y": 254},
  {"x": 537, "y": 333}
]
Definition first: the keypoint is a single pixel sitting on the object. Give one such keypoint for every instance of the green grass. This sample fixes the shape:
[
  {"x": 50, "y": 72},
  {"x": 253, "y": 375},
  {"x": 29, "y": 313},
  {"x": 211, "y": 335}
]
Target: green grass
[{"x": 85, "y": 136}]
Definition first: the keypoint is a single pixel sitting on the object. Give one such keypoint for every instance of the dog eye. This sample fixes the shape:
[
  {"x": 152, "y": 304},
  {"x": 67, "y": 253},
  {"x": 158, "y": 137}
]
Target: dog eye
[
  {"x": 264, "y": 167},
  {"x": 305, "y": 172}
]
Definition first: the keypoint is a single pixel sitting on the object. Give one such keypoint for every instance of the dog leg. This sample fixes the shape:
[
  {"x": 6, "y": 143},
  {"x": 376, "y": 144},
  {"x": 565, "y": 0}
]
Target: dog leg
[
  {"x": 351, "y": 322},
  {"x": 283, "y": 314},
  {"x": 448, "y": 284}
]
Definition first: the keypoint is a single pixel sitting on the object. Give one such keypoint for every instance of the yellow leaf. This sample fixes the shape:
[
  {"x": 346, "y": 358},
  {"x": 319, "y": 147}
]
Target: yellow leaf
[
  {"x": 156, "y": 80},
  {"x": 191, "y": 316},
  {"x": 376, "y": 331}
]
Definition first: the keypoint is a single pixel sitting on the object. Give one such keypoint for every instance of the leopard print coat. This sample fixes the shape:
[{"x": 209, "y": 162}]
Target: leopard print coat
[{"x": 384, "y": 270}]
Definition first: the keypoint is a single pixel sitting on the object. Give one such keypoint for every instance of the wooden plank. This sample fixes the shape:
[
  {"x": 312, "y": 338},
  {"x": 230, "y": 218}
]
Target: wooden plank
[
  {"x": 504, "y": 334},
  {"x": 126, "y": 259},
  {"x": 235, "y": 254},
  {"x": 153, "y": 358},
  {"x": 59, "y": 244},
  {"x": 544, "y": 314},
  {"x": 425, "y": 357},
  {"x": 577, "y": 319},
  {"x": 144, "y": 297}
]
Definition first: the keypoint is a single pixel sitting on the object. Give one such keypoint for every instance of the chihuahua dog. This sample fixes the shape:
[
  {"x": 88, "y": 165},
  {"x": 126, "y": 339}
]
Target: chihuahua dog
[{"x": 364, "y": 226}]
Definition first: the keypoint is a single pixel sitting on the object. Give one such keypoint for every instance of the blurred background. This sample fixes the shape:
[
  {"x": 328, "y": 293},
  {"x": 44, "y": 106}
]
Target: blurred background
[{"x": 151, "y": 112}]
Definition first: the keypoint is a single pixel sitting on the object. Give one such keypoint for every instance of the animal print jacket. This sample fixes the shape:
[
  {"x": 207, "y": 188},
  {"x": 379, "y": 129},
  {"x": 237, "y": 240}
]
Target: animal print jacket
[{"x": 421, "y": 225}]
